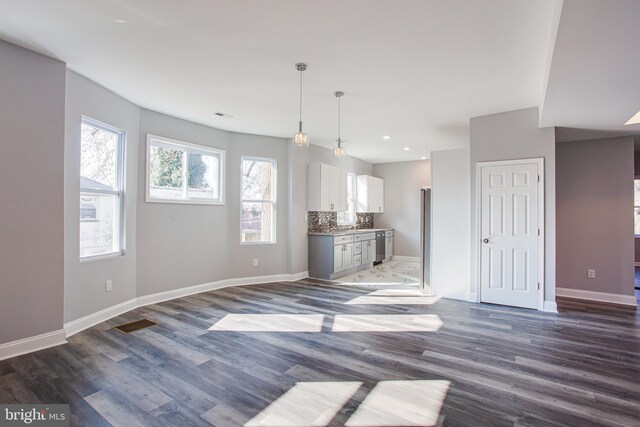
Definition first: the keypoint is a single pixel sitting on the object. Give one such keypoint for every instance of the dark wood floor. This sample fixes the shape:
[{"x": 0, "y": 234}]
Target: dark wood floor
[{"x": 505, "y": 366}]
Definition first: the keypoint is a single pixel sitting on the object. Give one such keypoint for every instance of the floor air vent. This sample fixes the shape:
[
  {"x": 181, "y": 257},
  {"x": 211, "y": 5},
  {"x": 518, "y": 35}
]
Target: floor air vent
[{"x": 135, "y": 326}]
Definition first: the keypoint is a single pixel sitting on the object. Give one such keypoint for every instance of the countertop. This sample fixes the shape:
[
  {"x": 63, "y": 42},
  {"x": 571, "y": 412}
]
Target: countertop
[{"x": 346, "y": 232}]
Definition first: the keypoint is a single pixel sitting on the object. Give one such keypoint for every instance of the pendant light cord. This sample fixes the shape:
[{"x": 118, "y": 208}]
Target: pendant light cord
[
  {"x": 339, "y": 140},
  {"x": 300, "y": 124}
]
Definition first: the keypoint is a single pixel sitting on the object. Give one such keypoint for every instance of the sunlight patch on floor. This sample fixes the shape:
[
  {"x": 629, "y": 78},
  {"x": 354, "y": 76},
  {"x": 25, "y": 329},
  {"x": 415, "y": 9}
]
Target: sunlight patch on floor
[
  {"x": 401, "y": 403},
  {"x": 386, "y": 323},
  {"x": 376, "y": 284},
  {"x": 269, "y": 323},
  {"x": 397, "y": 292},
  {"x": 306, "y": 404},
  {"x": 394, "y": 296}
]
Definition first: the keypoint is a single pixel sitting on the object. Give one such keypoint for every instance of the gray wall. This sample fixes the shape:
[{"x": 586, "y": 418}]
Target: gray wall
[
  {"x": 272, "y": 258},
  {"x": 402, "y": 184},
  {"x": 450, "y": 223},
  {"x": 85, "y": 282},
  {"x": 183, "y": 245},
  {"x": 594, "y": 215},
  {"x": 298, "y": 161},
  {"x": 31, "y": 172},
  {"x": 636, "y": 165},
  {"x": 516, "y": 135}
]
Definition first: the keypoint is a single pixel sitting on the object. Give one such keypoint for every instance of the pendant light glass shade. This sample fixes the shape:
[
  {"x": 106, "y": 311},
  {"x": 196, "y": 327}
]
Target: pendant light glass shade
[
  {"x": 338, "y": 152},
  {"x": 300, "y": 139}
]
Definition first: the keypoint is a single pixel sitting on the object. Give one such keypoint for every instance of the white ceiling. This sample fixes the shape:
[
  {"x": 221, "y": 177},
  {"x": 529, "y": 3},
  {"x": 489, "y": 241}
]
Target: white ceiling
[
  {"x": 414, "y": 69},
  {"x": 594, "y": 84}
]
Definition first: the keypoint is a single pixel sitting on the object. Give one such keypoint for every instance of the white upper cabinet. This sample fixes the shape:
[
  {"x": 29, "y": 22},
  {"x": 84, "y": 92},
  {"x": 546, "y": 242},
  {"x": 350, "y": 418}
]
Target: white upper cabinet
[
  {"x": 327, "y": 188},
  {"x": 370, "y": 194}
]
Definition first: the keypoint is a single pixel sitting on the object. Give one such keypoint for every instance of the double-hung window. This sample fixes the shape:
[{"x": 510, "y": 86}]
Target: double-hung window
[
  {"x": 101, "y": 189},
  {"x": 348, "y": 217},
  {"x": 258, "y": 212},
  {"x": 180, "y": 172}
]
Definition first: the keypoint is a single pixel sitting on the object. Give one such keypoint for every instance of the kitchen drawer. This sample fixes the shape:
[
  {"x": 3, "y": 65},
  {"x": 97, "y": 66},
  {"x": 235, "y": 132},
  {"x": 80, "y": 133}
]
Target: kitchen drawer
[
  {"x": 357, "y": 237},
  {"x": 340, "y": 240},
  {"x": 357, "y": 248},
  {"x": 357, "y": 260},
  {"x": 368, "y": 236}
]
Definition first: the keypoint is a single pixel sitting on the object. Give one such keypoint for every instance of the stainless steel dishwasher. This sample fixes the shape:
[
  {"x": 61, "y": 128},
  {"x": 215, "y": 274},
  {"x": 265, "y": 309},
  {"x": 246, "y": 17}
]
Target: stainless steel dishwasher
[{"x": 380, "y": 250}]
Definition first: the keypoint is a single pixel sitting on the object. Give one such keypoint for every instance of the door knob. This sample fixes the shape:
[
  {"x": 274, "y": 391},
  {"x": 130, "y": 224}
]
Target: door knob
[{"x": 485, "y": 241}]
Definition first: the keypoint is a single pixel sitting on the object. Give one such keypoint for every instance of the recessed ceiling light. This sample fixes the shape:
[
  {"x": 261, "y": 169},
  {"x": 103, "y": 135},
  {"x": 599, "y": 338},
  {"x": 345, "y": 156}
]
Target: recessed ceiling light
[
  {"x": 634, "y": 120},
  {"x": 386, "y": 137},
  {"x": 407, "y": 148},
  {"x": 423, "y": 158},
  {"x": 120, "y": 21}
]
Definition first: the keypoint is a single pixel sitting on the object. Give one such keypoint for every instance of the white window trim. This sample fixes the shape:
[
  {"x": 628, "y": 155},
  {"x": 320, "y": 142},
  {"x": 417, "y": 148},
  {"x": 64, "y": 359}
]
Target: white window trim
[
  {"x": 192, "y": 148},
  {"x": 274, "y": 193},
  {"x": 120, "y": 192},
  {"x": 354, "y": 200}
]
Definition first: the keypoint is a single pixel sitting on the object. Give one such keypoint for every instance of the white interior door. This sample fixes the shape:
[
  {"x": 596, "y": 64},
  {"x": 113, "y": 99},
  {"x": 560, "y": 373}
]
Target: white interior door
[{"x": 509, "y": 233}]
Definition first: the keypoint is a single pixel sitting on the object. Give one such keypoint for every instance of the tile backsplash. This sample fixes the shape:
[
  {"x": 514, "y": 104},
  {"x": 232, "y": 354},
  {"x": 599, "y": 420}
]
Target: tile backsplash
[{"x": 327, "y": 222}]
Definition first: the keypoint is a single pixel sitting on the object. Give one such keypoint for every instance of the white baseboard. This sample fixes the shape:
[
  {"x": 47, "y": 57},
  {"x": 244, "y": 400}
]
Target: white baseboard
[
  {"x": 405, "y": 258},
  {"x": 206, "y": 287},
  {"x": 550, "y": 306},
  {"x": 93, "y": 319},
  {"x": 28, "y": 345},
  {"x": 75, "y": 326},
  {"x": 629, "y": 300}
]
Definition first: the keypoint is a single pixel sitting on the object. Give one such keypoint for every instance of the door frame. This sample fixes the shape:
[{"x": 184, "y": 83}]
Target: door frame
[{"x": 541, "y": 223}]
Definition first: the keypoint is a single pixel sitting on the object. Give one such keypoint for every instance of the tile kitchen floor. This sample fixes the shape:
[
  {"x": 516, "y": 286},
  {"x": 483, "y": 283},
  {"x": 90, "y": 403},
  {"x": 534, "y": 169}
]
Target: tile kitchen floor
[{"x": 388, "y": 274}]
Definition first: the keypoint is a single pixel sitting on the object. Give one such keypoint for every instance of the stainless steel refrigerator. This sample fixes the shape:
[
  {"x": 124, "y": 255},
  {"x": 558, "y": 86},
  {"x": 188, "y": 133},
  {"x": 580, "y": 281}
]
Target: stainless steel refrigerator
[{"x": 425, "y": 241}]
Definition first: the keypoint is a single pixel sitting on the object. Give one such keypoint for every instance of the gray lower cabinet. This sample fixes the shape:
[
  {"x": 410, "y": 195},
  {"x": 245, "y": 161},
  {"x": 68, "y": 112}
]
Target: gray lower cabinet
[
  {"x": 331, "y": 257},
  {"x": 369, "y": 251},
  {"x": 342, "y": 257}
]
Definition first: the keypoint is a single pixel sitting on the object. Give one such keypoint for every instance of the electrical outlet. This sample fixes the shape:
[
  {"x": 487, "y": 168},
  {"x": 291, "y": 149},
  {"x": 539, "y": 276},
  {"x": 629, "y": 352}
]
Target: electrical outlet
[
  {"x": 255, "y": 262},
  {"x": 107, "y": 286},
  {"x": 591, "y": 274}
]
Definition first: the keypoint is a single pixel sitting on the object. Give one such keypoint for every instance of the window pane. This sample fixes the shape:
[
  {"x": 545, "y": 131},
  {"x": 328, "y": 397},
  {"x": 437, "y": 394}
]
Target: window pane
[
  {"x": 257, "y": 179},
  {"x": 637, "y": 221},
  {"x": 257, "y": 222},
  {"x": 166, "y": 173},
  {"x": 184, "y": 172},
  {"x": 636, "y": 193},
  {"x": 203, "y": 176},
  {"x": 99, "y": 214},
  {"x": 349, "y": 216},
  {"x": 98, "y": 158}
]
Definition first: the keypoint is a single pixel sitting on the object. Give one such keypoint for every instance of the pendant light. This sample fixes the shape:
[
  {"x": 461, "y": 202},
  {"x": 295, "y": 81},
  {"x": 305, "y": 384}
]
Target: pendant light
[
  {"x": 300, "y": 139},
  {"x": 338, "y": 152}
]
